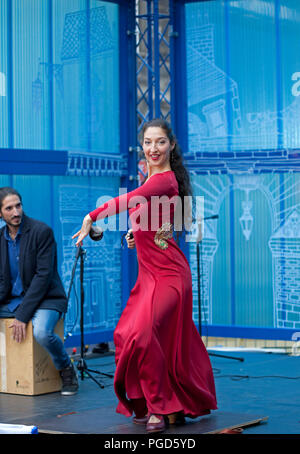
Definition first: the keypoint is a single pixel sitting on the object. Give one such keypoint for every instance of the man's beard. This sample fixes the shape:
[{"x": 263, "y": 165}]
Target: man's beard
[{"x": 17, "y": 221}]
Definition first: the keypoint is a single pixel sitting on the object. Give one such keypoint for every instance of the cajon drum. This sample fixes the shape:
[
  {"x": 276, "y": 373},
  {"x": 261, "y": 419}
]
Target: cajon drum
[{"x": 26, "y": 367}]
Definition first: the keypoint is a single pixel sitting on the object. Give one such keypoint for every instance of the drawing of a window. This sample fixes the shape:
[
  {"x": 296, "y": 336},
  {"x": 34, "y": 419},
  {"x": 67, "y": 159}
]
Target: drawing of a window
[{"x": 216, "y": 118}]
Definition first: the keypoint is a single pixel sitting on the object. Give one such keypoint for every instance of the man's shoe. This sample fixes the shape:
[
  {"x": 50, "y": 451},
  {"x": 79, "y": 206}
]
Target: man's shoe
[
  {"x": 156, "y": 423},
  {"x": 69, "y": 381}
]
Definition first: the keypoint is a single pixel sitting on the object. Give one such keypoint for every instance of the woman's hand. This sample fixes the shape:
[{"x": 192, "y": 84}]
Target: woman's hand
[
  {"x": 84, "y": 231},
  {"x": 130, "y": 241}
]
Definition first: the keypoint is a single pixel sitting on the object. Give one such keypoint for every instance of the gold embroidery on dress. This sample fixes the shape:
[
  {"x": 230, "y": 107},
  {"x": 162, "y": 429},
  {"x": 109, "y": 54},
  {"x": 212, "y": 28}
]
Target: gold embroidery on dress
[{"x": 162, "y": 234}]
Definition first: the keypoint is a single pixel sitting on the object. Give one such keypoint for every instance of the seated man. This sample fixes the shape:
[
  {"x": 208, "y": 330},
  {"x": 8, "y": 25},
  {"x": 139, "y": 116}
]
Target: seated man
[{"x": 30, "y": 287}]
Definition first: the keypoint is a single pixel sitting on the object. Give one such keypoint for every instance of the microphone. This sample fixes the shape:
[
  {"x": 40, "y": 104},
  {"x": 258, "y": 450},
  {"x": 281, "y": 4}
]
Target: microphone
[
  {"x": 96, "y": 234},
  {"x": 123, "y": 236},
  {"x": 199, "y": 236}
]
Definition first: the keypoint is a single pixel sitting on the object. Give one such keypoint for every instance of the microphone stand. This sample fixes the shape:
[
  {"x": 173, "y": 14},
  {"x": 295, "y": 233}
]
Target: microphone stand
[
  {"x": 81, "y": 365},
  {"x": 199, "y": 261}
]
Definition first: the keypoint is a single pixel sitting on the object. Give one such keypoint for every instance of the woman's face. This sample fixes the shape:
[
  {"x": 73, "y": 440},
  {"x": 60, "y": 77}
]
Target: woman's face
[{"x": 157, "y": 147}]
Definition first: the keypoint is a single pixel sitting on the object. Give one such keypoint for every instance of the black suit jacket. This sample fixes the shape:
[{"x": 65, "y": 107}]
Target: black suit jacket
[{"x": 38, "y": 270}]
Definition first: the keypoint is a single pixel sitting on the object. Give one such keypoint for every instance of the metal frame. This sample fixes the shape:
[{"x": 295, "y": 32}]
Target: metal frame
[
  {"x": 154, "y": 30},
  {"x": 161, "y": 68},
  {"x": 128, "y": 126}
]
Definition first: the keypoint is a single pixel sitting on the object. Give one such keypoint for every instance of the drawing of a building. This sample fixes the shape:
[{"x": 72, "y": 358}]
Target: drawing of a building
[
  {"x": 285, "y": 247},
  {"x": 102, "y": 279},
  {"x": 213, "y": 100}
]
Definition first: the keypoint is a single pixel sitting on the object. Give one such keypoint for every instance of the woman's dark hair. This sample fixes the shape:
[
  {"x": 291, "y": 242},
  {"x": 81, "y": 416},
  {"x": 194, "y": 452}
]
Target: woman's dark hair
[
  {"x": 5, "y": 191},
  {"x": 178, "y": 167}
]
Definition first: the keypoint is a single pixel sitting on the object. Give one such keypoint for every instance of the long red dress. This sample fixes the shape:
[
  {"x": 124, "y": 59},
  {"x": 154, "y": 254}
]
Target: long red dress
[{"x": 160, "y": 356}]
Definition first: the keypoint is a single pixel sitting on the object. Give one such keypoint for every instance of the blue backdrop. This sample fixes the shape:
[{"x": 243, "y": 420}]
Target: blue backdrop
[
  {"x": 67, "y": 109},
  {"x": 60, "y": 109},
  {"x": 243, "y": 146}
]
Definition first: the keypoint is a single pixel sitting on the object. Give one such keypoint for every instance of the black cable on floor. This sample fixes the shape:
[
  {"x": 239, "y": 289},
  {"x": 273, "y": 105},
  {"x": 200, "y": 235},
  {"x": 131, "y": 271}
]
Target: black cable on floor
[{"x": 242, "y": 377}]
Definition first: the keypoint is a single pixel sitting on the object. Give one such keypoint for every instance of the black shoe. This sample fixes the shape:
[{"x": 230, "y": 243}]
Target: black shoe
[{"x": 69, "y": 381}]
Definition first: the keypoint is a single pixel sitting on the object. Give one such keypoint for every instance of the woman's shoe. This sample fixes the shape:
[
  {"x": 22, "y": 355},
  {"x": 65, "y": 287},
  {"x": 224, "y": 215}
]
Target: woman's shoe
[
  {"x": 156, "y": 423},
  {"x": 141, "y": 421},
  {"x": 140, "y": 410},
  {"x": 176, "y": 418}
]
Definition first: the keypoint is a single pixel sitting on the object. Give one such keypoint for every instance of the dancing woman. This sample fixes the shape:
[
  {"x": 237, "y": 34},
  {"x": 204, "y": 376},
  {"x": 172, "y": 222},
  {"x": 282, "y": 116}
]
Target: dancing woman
[{"x": 163, "y": 372}]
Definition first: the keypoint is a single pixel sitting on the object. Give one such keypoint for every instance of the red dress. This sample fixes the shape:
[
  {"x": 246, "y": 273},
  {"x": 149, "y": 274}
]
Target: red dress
[{"x": 160, "y": 356}]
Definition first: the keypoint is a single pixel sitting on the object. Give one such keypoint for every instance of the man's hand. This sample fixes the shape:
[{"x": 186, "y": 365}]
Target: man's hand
[{"x": 18, "y": 330}]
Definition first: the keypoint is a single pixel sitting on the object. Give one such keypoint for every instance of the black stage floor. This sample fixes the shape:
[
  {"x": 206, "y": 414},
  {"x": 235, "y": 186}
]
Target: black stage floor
[
  {"x": 92, "y": 411},
  {"x": 104, "y": 420}
]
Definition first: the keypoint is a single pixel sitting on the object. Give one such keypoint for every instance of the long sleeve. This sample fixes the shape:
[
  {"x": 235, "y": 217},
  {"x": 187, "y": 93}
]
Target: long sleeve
[
  {"x": 4, "y": 270},
  {"x": 160, "y": 184},
  {"x": 39, "y": 285}
]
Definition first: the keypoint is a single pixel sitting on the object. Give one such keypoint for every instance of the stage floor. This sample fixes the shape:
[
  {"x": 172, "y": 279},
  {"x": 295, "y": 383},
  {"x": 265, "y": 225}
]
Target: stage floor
[{"x": 244, "y": 399}]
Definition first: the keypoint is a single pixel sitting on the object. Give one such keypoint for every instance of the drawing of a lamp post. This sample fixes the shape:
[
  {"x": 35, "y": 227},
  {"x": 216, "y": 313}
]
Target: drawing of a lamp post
[
  {"x": 247, "y": 183},
  {"x": 246, "y": 220}
]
